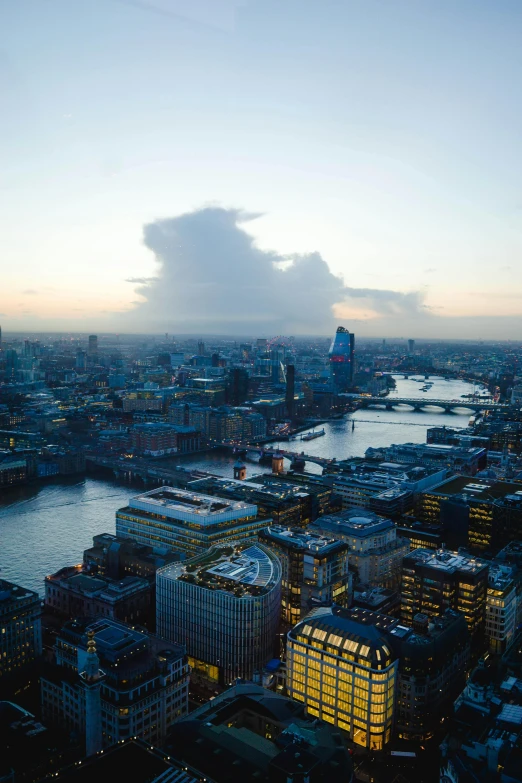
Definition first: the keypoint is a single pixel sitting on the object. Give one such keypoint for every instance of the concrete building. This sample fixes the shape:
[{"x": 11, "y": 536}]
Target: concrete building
[
  {"x": 118, "y": 557},
  {"x": 154, "y": 439},
  {"x": 225, "y": 606},
  {"x": 342, "y": 666},
  {"x": 185, "y": 521},
  {"x": 72, "y": 593},
  {"x": 375, "y": 550},
  {"x": 465, "y": 460},
  {"x": 144, "y": 687},
  {"x": 435, "y": 581},
  {"x": 315, "y": 571},
  {"x": 20, "y": 627},
  {"x": 248, "y": 733},
  {"x": 502, "y": 608}
]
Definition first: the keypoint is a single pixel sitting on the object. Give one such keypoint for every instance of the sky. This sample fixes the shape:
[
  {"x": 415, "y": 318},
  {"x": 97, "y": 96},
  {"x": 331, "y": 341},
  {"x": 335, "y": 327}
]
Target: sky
[{"x": 262, "y": 167}]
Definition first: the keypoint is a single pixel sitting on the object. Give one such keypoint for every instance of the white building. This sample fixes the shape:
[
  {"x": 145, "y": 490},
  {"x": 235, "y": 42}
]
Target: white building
[
  {"x": 186, "y": 521},
  {"x": 224, "y": 606}
]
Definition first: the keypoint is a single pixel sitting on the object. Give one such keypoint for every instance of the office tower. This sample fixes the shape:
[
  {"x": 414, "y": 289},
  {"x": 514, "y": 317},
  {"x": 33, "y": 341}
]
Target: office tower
[
  {"x": 249, "y": 733},
  {"x": 186, "y": 521},
  {"x": 435, "y": 581},
  {"x": 411, "y": 346},
  {"x": 341, "y": 664},
  {"x": 201, "y": 348},
  {"x": 237, "y": 386},
  {"x": 20, "y": 627},
  {"x": 375, "y": 550},
  {"x": 81, "y": 360},
  {"x": 224, "y": 606},
  {"x": 72, "y": 593},
  {"x": 144, "y": 688},
  {"x": 91, "y": 680},
  {"x": 434, "y": 659},
  {"x": 341, "y": 357},
  {"x": 92, "y": 349},
  {"x": 315, "y": 570},
  {"x": 290, "y": 390}
]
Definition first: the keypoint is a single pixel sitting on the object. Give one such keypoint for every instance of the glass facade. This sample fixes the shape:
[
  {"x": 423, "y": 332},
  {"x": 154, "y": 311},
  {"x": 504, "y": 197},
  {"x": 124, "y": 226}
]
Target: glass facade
[{"x": 341, "y": 356}]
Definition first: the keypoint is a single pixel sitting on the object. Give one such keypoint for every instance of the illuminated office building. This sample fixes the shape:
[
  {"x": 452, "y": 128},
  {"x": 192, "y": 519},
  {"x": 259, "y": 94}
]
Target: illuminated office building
[
  {"x": 341, "y": 664},
  {"x": 20, "y": 627}
]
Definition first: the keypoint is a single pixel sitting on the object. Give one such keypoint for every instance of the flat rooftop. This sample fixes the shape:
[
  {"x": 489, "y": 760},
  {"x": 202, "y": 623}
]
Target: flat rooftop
[
  {"x": 480, "y": 489},
  {"x": 301, "y": 539},
  {"x": 191, "y": 506},
  {"x": 234, "y": 569},
  {"x": 446, "y": 561},
  {"x": 355, "y": 522}
]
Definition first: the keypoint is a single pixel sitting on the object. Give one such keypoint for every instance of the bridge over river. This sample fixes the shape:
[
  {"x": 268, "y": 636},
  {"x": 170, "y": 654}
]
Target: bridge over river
[{"x": 418, "y": 404}]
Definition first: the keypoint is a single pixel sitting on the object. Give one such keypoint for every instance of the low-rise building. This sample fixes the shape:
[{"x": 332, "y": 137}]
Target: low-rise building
[
  {"x": 249, "y": 733},
  {"x": 466, "y": 460},
  {"x": 144, "y": 687},
  {"x": 376, "y": 553},
  {"x": 118, "y": 557},
  {"x": 72, "y": 593}
]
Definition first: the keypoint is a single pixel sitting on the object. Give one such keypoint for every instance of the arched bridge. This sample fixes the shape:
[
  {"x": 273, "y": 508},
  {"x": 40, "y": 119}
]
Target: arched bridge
[
  {"x": 298, "y": 459},
  {"x": 419, "y": 404}
]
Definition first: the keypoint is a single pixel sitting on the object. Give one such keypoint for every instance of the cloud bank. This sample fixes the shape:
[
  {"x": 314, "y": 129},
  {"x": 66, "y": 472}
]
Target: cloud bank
[{"x": 213, "y": 278}]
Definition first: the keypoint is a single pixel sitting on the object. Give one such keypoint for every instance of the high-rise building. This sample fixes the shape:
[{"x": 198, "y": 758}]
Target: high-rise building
[
  {"x": 185, "y": 521},
  {"x": 315, "y": 571},
  {"x": 433, "y": 581},
  {"x": 342, "y": 665},
  {"x": 92, "y": 349},
  {"x": 144, "y": 687},
  {"x": 237, "y": 386},
  {"x": 502, "y": 608},
  {"x": 411, "y": 346},
  {"x": 224, "y": 606},
  {"x": 20, "y": 627},
  {"x": 290, "y": 390},
  {"x": 81, "y": 360},
  {"x": 341, "y": 356},
  {"x": 375, "y": 550}
]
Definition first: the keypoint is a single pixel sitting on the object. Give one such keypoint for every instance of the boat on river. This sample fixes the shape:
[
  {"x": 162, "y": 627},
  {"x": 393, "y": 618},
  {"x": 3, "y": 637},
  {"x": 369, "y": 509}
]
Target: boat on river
[{"x": 313, "y": 434}]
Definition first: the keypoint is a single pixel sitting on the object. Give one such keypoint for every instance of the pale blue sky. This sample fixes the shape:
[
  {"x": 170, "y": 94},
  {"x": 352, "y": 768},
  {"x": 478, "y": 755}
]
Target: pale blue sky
[{"x": 383, "y": 134}]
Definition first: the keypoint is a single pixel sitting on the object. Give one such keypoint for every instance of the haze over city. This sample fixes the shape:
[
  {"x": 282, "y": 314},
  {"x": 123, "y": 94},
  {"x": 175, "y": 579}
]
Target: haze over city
[{"x": 232, "y": 167}]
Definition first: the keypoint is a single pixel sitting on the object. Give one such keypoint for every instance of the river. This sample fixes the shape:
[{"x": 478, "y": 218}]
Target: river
[{"x": 44, "y": 527}]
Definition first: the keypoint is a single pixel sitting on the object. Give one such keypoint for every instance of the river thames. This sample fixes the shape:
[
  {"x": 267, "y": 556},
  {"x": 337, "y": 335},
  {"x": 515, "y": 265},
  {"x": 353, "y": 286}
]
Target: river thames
[{"x": 44, "y": 527}]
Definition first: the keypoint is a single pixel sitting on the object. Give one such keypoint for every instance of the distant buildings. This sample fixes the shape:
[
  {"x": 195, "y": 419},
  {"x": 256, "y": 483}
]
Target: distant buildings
[
  {"x": 249, "y": 733},
  {"x": 20, "y": 627},
  {"x": 225, "y": 607},
  {"x": 465, "y": 460},
  {"x": 341, "y": 358},
  {"x": 185, "y": 521},
  {"x": 92, "y": 349},
  {"x": 376, "y": 553},
  {"x": 315, "y": 570},
  {"x": 144, "y": 688},
  {"x": 435, "y": 581},
  {"x": 153, "y": 439}
]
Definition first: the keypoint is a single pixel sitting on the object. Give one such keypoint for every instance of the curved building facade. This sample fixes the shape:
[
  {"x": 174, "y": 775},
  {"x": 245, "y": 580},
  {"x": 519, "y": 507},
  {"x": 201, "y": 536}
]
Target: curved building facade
[
  {"x": 344, "y": 669},
  {"x": 341, "y": 357},
  {"x": 224, "y": 606}
]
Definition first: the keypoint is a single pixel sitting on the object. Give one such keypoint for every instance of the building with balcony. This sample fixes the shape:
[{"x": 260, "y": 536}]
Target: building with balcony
[
  {"x": 144, "y": 687},
  {"x": 375, "y": 550},
  {"x": 188, "y": 522},
  {"x": 20, "y": 627},
  {"x": 225, "y": 607},
  {"x": 315, "y": 570}
]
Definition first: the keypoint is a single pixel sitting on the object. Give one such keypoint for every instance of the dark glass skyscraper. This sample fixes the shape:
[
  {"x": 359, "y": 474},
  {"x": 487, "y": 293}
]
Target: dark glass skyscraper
[{"x": 341, "y": 358}]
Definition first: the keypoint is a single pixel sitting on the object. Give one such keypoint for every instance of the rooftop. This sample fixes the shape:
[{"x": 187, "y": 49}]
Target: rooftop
[
  {"x": 12, "y": 593},
  {"x": 444, "y": 560},
  {"x": 296, "y": 538},
  {"x": 239, "y": 570},
  {"x": 355, "y": 522},
  {"x": 191, "y": 506},
  {"x": 477, "y": 489}
]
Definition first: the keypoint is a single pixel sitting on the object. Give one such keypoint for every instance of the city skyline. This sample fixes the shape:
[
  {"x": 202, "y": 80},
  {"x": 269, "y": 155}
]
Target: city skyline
[{"x": 352, "y": 164}]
